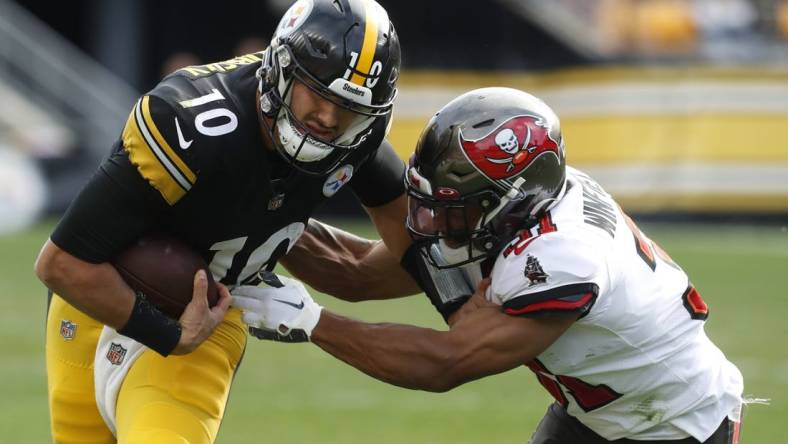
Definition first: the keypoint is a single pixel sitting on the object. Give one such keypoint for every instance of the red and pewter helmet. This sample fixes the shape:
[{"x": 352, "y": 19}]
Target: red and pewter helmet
[
  {"x": 348, "y": 52},
  {"x": 487, "y": 164}
]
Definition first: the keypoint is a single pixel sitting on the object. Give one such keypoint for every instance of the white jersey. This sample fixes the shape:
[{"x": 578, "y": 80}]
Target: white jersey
[{"x": 637, "y": 363}]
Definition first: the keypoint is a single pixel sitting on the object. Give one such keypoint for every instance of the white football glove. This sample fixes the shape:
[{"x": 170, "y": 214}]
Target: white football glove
[{"x": 284, "y": 313}]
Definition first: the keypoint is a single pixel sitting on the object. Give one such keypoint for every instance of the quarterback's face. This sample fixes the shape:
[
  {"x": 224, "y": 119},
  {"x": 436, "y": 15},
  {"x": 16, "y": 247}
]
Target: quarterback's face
[{"x": 323, "y": 118}]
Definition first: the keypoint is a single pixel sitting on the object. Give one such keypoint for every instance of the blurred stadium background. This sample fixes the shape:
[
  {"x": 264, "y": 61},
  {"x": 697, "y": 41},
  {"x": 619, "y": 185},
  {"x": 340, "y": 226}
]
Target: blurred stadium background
[{"x": 678, "y": 107}]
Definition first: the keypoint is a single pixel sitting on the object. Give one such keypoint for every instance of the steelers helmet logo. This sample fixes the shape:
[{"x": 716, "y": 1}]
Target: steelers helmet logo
[{"x": 294, "y": 17}]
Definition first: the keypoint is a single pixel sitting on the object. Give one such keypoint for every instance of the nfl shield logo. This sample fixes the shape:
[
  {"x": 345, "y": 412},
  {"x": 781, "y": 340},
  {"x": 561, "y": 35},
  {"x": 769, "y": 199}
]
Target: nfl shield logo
[
  {"x": 116, "y": 354},
  {"x": 67, "y": 329},
  {"x": 276, "y": 202}
]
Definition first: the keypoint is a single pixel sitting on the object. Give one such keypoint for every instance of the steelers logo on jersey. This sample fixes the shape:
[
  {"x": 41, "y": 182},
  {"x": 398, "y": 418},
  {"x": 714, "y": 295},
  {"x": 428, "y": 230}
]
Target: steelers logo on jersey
[{"x": 337, "y": 180}]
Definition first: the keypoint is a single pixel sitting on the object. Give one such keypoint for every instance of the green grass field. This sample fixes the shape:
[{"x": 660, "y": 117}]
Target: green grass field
[{"x": 288, "y": 393}]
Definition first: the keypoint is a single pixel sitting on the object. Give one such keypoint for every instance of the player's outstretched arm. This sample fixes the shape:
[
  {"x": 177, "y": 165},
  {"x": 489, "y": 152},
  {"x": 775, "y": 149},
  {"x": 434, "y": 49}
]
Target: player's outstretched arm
[
  {"x": 482, "y": 340},
  {"x": 347, "y": 266}
]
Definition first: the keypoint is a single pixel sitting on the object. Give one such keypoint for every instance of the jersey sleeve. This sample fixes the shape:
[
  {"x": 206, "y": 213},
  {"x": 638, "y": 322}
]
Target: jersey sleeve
[
  {"x": 554, "y": 274},
  {"x": 381, "y": 178},
  {"x": 113, "y": 209},
  {"x": 150, "y": 169},
  {"x": 157, "y": 146}
]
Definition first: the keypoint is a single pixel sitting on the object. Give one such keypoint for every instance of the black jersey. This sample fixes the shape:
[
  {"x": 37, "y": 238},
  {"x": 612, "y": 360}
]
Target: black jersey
[{"x": 191, "y": 162}]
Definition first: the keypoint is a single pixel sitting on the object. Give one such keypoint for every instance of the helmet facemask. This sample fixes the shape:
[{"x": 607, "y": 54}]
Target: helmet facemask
[
  {"x": 454, "y": 230},
  {"x": 292, "y": 138}
]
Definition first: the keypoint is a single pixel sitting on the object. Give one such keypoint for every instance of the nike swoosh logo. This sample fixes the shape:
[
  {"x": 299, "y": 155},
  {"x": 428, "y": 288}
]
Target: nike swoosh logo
[
  {"x": 181, "y": 141},
  {"x": 298, "y": 306}
]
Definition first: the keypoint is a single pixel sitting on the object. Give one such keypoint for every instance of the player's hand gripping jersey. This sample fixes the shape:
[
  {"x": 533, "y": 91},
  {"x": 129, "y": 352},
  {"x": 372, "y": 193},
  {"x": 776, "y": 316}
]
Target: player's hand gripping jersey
[{"x": 637, "y": 363}]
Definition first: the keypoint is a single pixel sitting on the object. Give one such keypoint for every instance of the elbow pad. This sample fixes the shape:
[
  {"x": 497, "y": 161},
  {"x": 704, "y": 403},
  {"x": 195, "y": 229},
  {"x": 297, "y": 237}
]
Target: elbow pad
[{"x": 447, "y": 288}]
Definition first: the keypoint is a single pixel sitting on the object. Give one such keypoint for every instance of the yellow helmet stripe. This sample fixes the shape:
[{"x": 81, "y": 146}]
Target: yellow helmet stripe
[{"x": 369, "y": 45}]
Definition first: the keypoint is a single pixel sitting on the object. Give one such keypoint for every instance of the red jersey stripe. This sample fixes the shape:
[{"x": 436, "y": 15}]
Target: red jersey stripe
[{"x": 554, "y": 304}]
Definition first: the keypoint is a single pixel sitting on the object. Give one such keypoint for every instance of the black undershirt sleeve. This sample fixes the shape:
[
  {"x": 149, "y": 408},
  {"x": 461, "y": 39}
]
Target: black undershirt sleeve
[
  {"x": 114, "y": 209},
  {"x": 381, "y": 179}
]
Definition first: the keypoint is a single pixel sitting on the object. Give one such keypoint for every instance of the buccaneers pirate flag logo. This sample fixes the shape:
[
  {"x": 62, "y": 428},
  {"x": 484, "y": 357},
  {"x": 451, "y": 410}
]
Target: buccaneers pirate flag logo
[{"x": 511, "y": 147}]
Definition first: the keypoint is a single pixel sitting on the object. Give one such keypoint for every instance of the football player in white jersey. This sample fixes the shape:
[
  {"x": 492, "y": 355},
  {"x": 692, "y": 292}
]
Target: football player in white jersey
[{"x": 567, "y": 285}]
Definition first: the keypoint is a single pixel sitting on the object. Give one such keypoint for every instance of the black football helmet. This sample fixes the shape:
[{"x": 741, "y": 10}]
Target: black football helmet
[
  {"x": 487, "y": 164},
  {"x": 348, "y": 52}
]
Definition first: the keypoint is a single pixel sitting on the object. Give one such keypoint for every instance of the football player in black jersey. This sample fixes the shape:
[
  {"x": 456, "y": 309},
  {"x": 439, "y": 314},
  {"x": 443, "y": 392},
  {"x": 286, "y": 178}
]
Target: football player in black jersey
[{"x": 231, "y": 157}]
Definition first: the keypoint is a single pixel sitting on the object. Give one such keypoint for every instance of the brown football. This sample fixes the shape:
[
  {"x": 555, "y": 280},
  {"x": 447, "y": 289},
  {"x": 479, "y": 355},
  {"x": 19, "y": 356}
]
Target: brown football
[{"x": 163, "y": 268}]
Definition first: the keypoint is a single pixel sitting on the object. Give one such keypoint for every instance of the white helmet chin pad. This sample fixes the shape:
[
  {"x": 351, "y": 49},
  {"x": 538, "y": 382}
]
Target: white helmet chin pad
[
  {"x": 291, "y": 135},
  {"x": 291, "y": 140}
]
